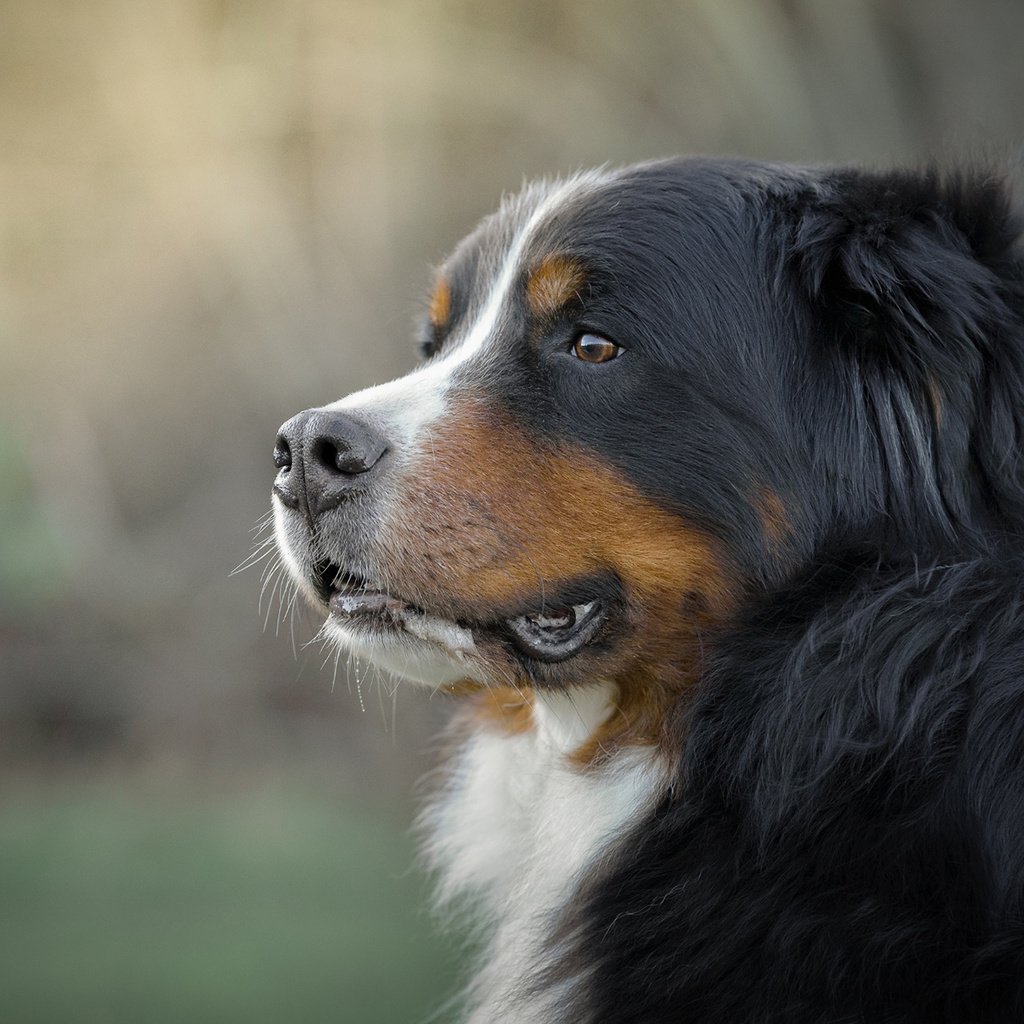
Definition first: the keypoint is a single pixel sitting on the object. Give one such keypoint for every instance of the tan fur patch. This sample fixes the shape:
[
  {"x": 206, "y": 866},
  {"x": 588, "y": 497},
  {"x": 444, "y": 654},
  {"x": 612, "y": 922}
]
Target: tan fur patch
[
  {"x": 506, "y": 708},
  {"x": 774, "y": 520},
  {"x": 640, "y": 717},
  {"x": 935, "y": 401},
  {"x": 440, "y": 303},
  {"x": 511, "y": 517},
  {"x": 493, "y": 520},
  {"x": 555, "y": 281}
]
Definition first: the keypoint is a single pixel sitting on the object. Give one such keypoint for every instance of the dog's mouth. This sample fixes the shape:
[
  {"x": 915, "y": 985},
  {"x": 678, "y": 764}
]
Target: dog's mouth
[
  {"x": 554, "y": 634},
  {"x": 551, "y": 633}
]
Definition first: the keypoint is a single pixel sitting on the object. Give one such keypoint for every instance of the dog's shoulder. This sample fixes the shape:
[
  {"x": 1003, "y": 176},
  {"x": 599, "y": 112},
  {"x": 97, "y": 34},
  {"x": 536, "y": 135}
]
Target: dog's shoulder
[{"x": 850, "y": 798}]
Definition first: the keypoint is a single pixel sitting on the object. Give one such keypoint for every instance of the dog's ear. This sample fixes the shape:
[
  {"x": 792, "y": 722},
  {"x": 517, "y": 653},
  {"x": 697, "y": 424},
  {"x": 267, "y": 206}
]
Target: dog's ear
[
  {"x": 911, "y": 269},
  {"x": 914, "y": 288}
]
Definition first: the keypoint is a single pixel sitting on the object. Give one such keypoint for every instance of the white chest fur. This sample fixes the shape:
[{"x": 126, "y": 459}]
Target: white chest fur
[{"x": 518, "y": 827}]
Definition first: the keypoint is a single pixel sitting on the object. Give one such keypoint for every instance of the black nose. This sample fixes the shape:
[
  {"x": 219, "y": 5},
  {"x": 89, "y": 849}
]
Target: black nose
[{"x": 322, "y": 457}]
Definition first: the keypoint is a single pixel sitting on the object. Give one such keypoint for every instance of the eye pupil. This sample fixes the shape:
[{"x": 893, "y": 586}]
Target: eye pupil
[{"x": 592, "y": 348}]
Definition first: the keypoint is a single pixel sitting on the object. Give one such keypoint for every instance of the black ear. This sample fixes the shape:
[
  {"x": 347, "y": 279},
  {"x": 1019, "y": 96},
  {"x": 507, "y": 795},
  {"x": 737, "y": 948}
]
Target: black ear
[
  {"x": 913, "y": 289},
  {"x": 914, "y": 270}
]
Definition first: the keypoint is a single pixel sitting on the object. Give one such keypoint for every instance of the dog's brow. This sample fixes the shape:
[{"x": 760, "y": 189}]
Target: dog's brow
[
  {"x": 410, "y": 404},
  {"x": 490, "y": 314},
  {"x": 553, "y": 283}
]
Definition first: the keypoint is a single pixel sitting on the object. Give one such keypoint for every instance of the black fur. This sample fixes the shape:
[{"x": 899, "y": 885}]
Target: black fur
[{"x": 844, "y": 841}]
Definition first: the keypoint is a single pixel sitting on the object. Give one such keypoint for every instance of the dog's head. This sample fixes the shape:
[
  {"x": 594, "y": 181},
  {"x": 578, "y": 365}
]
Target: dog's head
[{"x": 646, "y": 396}]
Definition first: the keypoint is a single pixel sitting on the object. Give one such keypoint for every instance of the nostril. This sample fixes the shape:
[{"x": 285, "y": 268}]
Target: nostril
[
  {"x": 282, "y": 453},
  {"x": 325, "y": 453},
  {"x": 340, "y": 458}
]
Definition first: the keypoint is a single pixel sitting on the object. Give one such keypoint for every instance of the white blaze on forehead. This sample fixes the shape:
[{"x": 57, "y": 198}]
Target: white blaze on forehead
[{"x": 405, "y": 407}]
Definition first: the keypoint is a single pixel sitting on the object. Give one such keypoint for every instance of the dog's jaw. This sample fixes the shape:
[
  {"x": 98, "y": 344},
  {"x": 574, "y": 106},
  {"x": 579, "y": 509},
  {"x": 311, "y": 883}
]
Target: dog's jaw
[{"x": 419, "y": 647}]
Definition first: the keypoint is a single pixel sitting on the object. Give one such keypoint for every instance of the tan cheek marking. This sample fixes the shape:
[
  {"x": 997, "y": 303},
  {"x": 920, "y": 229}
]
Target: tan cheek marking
[
  {"x": 440, "y": 303},
  {"x": 495, "y": 517},
  {"x": 500, "y": 518},
  {"x": 556, "y": 281}
]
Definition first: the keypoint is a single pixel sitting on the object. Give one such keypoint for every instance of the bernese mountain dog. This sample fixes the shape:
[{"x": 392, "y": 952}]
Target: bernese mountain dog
[{"x": 706, "y": 506}]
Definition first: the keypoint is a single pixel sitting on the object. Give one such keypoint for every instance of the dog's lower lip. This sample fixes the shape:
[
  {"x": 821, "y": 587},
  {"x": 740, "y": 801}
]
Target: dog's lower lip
[
  {"x": 550, "y": 634},
  {"x": 348, "y": 603},
  {"x": 351, "y": 596}
]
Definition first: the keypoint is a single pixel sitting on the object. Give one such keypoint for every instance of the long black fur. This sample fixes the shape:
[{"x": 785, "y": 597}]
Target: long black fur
[{"x": 844, "y": 841}]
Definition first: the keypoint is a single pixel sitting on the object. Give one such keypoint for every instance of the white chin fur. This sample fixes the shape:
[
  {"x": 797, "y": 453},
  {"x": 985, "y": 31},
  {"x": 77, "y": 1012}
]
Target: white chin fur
[{"x": 432, "y": 651}]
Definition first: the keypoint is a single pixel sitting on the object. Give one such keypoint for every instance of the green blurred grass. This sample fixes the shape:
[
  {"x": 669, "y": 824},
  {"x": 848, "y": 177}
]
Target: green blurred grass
[{"x": 264, "y": 908}]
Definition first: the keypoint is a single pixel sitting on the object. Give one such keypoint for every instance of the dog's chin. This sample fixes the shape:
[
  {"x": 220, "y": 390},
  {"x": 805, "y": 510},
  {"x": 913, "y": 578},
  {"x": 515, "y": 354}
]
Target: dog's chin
[{"x": 415, "y": 646}]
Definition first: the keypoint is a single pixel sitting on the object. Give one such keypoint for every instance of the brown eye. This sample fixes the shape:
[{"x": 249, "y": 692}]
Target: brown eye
[{"x": 592, "y": 348}]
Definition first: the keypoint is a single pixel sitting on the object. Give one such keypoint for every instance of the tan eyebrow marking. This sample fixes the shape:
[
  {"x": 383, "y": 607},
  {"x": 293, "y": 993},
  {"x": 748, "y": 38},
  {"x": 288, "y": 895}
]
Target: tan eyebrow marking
[
  {"x": 440, "y": 303},
  {"x": 556, "y": 280}
]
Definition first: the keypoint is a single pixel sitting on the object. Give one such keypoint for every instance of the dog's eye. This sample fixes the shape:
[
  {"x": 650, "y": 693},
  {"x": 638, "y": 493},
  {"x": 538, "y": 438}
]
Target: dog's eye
[{"x": 592, "y": 348}]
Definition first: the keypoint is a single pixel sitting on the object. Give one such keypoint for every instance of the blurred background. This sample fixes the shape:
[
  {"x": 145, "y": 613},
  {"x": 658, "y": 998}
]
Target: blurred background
[{"x": 214, "y": 213}]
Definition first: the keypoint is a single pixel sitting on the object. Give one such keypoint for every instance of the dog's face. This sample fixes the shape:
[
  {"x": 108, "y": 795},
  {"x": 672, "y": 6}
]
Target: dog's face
[{"x": 626, "y": 420}]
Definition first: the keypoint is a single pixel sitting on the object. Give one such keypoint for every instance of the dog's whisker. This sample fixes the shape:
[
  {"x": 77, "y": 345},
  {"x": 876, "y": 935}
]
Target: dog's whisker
[
  {"x": 263, "y": 550},
  {"x": 320, "y": 637},
  {"x": 278, "y": 580},
  {"x": 394, "y": 711},
  {"x": 268, "y": 574},
  {"x": 286, "y": 597},
  {"x": 255, "y": 558},
  {"x": 291, "y": 618}
]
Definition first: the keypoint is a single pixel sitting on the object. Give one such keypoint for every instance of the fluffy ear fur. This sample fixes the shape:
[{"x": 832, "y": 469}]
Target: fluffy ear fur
[
  {"x": 916, "y": 284},
  {"x": 916, "y": 270}
]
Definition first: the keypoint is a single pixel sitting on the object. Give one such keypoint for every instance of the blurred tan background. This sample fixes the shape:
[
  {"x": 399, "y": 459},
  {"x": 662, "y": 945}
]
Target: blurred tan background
[{"x": 214, "y": 213}]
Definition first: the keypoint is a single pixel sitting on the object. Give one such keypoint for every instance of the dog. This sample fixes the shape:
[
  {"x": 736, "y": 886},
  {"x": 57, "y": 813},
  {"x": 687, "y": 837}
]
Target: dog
[{"x": 706, "y": 506}]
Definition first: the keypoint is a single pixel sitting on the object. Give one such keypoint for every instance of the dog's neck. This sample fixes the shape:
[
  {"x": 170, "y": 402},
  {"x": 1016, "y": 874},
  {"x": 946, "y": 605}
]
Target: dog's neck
[{"x": 519, "y": 825}]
